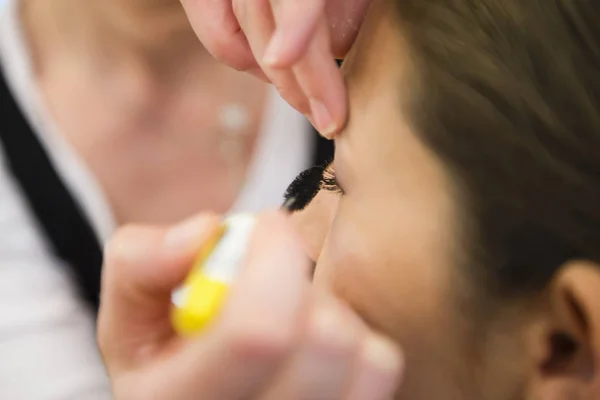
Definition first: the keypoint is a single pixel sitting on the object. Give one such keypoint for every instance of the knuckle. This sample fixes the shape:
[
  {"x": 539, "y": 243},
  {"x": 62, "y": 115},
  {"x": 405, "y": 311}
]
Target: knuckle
[
  {"x": 221, "y": 48},
  {"x": 117, "y": 240},
  {"x": 224, "y": 57},
  {"x": 330, "y": 331},
  {"x": 269, "y": 344}
]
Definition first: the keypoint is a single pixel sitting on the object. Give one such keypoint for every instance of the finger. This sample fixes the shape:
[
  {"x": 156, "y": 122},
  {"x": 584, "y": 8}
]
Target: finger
[
  {"x": 258, "y": 327},
  {"x": 256, "y": 19},
  {"x": 258, "y": 73},
  {"x": 344, "y": 19},
  {"x": 322, "y": 83},
  {"x": 142, "y": 266},
  {"x": 379, "y": 371},
  {"x": 296, "y": 23},
  {"x": 217, "y": 28},
  {"x": 322, "y": 366}
]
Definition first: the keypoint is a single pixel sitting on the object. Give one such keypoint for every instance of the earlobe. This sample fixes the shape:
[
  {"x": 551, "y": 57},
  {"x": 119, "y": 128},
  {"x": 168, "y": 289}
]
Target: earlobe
[{"x": 570, "y": 368}]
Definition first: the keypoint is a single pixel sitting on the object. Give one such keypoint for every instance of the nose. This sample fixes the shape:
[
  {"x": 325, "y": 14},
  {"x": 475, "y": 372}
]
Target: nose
[{"x": 314, "y": 221}]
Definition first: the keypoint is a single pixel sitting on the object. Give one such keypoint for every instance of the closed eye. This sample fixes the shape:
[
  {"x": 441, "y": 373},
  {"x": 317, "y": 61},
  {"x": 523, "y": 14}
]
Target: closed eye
[{"x": 329, "y": 181}]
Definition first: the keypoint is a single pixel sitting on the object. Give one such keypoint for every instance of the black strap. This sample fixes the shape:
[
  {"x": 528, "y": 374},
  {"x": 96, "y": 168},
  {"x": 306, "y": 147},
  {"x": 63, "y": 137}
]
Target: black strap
[
  {"x": 60, "y": 216},
  {"x": 62, "y": 220},
  {"x": 324, "y": 149}
]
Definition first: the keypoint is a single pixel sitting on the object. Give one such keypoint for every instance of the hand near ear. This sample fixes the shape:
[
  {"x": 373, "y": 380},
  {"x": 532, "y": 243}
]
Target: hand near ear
[{"x": 291, "y": 43}]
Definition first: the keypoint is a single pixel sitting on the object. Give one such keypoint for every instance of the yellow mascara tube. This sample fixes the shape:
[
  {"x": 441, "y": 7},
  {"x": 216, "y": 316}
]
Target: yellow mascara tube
[{"x": 199, "y": 300}]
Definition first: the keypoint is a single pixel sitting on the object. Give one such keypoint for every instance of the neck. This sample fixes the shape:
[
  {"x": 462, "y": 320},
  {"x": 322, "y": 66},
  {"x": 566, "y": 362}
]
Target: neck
[{"x": 154, "y": 34}]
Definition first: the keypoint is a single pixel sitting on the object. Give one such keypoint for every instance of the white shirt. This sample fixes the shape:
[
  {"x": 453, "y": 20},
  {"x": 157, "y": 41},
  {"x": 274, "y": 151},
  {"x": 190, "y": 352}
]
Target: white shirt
[{"x": 47, "y": 336}]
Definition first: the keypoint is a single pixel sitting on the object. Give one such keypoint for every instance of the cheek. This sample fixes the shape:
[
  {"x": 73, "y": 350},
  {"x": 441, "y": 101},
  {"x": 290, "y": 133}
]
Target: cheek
[{"x": 396, "y": 286}]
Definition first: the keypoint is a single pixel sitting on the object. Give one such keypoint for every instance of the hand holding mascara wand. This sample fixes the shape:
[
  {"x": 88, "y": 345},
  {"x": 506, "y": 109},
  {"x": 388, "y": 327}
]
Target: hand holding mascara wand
[
  {"x": 267, "y": 335},
  {"x": 198, "y": 302}
]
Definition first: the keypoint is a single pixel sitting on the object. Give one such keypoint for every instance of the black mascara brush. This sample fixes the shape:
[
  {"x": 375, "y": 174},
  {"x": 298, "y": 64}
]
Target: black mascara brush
[{"x": 303, "y": 189}]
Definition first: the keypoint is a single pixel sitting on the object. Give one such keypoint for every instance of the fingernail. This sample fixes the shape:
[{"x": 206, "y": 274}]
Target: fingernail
[
  {"x": 186, "y": 236},
  {"x": 271, "y": 57},
  {"x": 322, "y": 118},
  {"x": 382, "y": 354}
]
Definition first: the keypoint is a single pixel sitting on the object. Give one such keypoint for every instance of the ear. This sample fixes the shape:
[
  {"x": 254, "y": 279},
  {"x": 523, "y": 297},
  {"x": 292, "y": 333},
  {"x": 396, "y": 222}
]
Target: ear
[{"x": 570, "y": 367}]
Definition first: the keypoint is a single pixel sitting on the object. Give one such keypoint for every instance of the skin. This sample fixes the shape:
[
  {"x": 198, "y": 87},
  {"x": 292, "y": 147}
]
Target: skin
[
  {"x": 276, "y": 338},
  {"x": 121, "y": 81},
  {"x": 289, "y": 43},
  {"x": 396, "y": 191},
  {"x": 392, "y": 254},
  {"x": 389, "y": 255}
]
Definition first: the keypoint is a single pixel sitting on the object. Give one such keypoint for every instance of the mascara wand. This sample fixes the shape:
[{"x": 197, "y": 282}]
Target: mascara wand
[{"x": 303, "y": 189}]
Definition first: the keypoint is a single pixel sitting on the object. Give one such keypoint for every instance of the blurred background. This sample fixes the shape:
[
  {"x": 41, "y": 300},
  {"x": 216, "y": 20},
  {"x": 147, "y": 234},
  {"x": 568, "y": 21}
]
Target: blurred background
[{"x": 112, "y": 113}]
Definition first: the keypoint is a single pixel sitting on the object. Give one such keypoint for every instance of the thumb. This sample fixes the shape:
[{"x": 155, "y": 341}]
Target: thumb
[{"x": 142, "y": 266}]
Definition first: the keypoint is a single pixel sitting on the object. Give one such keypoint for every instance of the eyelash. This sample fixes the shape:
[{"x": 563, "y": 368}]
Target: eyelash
[
  {"x": 329, "y": 181},
  {"x": 307, "y": 185}
]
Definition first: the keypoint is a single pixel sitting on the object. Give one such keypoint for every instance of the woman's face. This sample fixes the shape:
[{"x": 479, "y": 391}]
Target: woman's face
[{"x": 386, "y": 245}]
